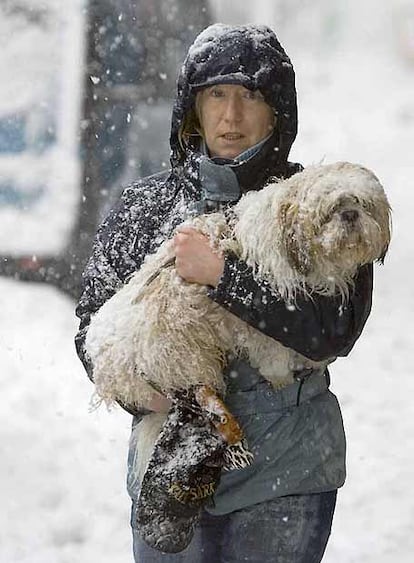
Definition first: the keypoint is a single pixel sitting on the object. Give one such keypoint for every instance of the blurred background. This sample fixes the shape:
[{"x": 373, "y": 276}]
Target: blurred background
[{"x": 85, "y": 99}]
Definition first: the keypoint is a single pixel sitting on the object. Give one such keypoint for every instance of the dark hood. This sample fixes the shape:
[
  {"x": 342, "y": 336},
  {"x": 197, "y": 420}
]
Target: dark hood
[{"x": 252, "y": 56}]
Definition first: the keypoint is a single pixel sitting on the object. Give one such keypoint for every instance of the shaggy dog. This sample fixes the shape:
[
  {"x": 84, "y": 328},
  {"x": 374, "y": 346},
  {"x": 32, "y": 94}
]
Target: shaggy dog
[{"x": 308, "y": 234}]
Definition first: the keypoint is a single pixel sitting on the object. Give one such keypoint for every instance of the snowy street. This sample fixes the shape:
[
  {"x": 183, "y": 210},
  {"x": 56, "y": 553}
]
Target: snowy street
[{"x": 62, "y": 471}]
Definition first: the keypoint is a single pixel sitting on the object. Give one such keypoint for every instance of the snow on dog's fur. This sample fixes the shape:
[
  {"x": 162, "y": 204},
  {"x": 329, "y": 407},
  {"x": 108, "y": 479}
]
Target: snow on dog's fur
[{"x": 307, "y": 234}]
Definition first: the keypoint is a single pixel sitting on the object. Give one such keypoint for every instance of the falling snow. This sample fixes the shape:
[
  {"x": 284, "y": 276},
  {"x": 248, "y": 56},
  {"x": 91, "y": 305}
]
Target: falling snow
[{"x": 63, "y": 467}]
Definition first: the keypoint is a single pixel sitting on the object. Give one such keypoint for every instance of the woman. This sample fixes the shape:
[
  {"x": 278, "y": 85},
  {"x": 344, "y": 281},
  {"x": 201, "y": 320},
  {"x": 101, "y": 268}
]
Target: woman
[{"x": 233, "y": 124}]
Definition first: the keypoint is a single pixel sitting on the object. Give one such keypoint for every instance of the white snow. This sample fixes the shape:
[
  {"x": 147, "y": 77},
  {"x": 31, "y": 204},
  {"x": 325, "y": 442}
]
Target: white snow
[{"x": 62, "y": 468}]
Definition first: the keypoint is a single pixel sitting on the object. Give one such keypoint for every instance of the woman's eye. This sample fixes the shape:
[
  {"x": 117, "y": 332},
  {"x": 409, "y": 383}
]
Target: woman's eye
[
  {"x": 216, "y": 93},
  {"x": 254, "y": 95}
]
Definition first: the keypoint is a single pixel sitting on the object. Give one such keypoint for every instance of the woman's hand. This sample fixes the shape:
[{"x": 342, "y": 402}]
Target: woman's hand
[{"x": 195, "y": 260}]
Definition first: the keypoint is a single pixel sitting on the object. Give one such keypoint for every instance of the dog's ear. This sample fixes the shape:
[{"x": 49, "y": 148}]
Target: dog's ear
[
  {"x": 294, "y": 241},
  {"x": 385, "y": 223},
  {"x": 298, "y": 257}
]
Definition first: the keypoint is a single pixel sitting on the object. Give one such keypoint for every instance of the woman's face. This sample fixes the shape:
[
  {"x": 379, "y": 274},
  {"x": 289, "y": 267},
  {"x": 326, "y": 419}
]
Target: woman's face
[{"x": 233, "y": 118}]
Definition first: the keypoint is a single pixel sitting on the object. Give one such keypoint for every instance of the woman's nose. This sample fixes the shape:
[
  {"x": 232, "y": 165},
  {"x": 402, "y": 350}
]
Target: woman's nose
[{"x": 233, "y": 111}]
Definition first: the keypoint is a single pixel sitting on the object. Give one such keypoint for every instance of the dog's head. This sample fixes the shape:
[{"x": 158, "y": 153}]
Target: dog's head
[{"x": 334, "y": 218}]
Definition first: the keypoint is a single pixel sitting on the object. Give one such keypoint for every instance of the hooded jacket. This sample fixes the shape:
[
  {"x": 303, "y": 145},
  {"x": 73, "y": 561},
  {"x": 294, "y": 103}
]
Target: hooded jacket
[
  {"x": 250, "y": 56},
  {"x": 150, "y": 209}
]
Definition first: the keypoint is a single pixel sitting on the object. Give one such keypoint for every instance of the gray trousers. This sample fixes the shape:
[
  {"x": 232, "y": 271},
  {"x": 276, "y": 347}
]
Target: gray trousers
[{"x": 293, "y": 529}]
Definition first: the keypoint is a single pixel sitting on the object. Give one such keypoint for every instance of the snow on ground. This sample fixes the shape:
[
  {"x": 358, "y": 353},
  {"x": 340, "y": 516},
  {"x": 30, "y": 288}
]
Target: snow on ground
[{"x": 62, "y": 468}]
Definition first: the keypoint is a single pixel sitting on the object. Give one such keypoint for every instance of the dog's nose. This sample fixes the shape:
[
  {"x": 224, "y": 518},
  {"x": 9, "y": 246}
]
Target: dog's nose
[{"x": 350, "y": 215}]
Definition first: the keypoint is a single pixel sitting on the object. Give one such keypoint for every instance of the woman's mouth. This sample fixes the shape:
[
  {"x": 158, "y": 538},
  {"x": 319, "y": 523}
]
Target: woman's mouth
[{"x": 232, "y": 136}]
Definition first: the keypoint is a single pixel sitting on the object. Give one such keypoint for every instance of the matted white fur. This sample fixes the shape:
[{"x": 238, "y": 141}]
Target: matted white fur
[{"x": 308, "y": 234}]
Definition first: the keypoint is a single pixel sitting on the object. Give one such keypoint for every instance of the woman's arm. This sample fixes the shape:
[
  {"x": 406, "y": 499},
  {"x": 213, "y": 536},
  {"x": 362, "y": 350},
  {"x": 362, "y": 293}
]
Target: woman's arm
[
  {"x": 319, "y": 328},
  {"x": 113, "y": 259},
  {"x": 100, "y": 282}
]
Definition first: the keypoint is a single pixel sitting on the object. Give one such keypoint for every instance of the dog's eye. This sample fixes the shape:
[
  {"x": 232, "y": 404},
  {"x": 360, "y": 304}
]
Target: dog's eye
[
  {"x": 348, "y": 201},
  {"x": 367, "y": 206},
  {"x": 344, "y": 203}
]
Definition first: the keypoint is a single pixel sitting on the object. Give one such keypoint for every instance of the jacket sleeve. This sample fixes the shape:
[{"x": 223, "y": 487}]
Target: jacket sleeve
[
  {"x": 319, "y": 328},
  {"x": 105, "y": 273},
  {"x": 100, "y": 282}
]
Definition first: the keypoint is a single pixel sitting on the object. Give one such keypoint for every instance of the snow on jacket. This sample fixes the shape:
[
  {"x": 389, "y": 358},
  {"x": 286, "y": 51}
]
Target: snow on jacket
[{"x": 150, "y": 209}]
